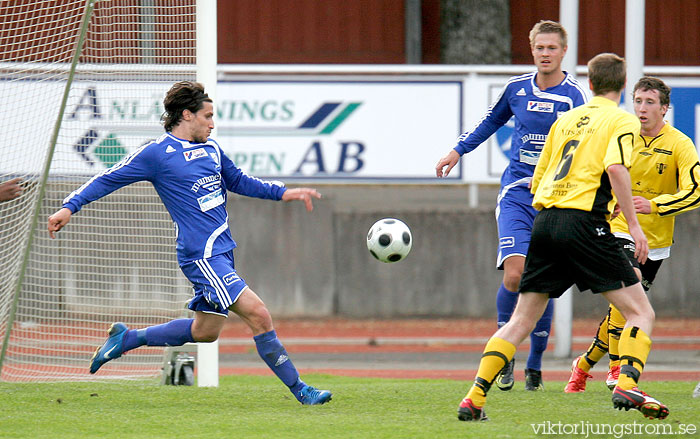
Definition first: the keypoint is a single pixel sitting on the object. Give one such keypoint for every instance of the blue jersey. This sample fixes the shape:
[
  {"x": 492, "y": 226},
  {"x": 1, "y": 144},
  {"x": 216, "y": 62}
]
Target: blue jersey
[
  {"x": 191, "y": 180},
  {"x": 535, "y": 111}
]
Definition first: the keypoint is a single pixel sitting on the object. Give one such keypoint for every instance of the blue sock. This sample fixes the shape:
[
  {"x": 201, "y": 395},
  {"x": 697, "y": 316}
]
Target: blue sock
[
  {"x": 174, "y": 333},
  {"x": 505, "y": 304},
  {"x": 133, "y": 339},
  {"x": 275, "y": 356},
  {"x": 539, "y": 338}
]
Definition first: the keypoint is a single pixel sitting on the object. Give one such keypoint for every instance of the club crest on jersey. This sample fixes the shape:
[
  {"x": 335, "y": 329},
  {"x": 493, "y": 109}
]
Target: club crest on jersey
[
  {"x": 194, "y": 154},
  {"x": 661, "y": 167},
  {"x": 540, "y": 107}
]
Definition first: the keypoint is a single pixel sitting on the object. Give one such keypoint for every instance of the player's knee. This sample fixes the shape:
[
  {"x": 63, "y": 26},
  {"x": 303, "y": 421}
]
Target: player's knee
[
  {"x": 642, "y": 316},
  {"x": 645, "y": 311},
  {"x": 512, "y": 271},
  {"x": 259, "y": 319},
  {"x": 519, "y": 327},
  {"x": 205, "y": 335},
  {"x": 651, "y": 314},
  {"x": 511, "y": 280}
]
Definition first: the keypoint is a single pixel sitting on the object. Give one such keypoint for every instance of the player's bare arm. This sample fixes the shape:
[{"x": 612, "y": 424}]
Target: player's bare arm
[
  {"x": 621, "y": 185},
  {"x": 450, "y": 160},
  {"x": 58, "y": 220},
  {"x": 304, "y": 194},
  {"x": 10, "y": 189}
]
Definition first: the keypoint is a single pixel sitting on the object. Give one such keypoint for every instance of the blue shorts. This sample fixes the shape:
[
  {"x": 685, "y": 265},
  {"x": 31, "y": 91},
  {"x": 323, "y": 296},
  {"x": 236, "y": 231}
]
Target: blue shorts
[
  {"x": 515, "y": 216},
  {"x": 215, "y": 282}
]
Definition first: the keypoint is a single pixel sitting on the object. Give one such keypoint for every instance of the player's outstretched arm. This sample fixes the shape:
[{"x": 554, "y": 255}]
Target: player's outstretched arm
[
  {"x": 10, "y": 189},
  {"x": 304, "y": 194},
  {"x": 58, "y": 220},
  {"x": 450, "y": 160}
]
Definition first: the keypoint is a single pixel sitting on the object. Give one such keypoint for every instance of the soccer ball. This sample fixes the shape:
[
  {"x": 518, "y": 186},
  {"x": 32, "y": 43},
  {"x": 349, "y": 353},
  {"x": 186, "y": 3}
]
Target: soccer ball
[{"x": 389, "y": 240}]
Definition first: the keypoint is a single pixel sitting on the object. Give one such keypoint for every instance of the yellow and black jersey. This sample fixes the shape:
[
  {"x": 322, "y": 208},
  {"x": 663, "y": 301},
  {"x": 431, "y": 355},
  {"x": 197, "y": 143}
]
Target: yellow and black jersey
[
  {"x": 581, "y": 145},
  {"x": 665, "y": 170}
]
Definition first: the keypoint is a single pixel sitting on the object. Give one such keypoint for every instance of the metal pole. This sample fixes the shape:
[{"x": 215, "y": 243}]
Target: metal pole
[
  {"x": 564, "y": 305},
  {"x": 147, "y": 28},
  {"x": 473, "y": 195},
  {"x": 413, "y": 31},
  {"x": 634, "y": 46},
  {"x": 568, "y": 11}
]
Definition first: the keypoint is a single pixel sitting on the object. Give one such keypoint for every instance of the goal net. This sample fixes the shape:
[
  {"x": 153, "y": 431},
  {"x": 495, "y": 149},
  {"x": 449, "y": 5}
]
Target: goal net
[{"x": 69, "y": 112}]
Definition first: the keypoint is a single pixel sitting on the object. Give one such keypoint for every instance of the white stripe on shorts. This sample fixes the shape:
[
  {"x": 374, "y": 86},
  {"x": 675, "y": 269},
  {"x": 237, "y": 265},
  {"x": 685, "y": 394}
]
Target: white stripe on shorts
[{"x": 219, "y": 287}]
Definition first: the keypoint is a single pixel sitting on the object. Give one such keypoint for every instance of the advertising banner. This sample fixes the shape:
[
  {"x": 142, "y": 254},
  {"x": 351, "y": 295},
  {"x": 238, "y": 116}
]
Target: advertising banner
[
  {"x": 336, "y": 131},
  {"x": 339, "y": 130},
  {"x": 288, "y": 130}
]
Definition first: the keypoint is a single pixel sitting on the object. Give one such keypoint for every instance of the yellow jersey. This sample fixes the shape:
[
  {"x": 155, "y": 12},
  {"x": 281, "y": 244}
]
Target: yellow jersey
[
  {"x": 581, "y": 145},
  {"x": 665, "y": 170}
]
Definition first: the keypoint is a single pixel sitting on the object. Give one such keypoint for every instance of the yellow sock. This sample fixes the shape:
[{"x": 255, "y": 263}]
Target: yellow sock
[
  {"x": 597, "y": 349},
  {"x": 616, "y": 323},
  {"x": 634, "y": 350},
  {"x": 497, "y": 353}
]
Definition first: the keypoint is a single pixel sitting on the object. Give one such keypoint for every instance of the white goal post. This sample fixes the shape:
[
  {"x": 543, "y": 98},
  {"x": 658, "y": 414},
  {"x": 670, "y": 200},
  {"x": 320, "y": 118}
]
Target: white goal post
[
  {"x": 75, "y": 77},
  {"x": 207, "y": 353}
]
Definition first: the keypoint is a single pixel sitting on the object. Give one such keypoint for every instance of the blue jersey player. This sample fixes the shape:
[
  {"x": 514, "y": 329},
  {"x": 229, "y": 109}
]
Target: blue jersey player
[
  {"x": 534, "y": 100},
  {"x": 192, "y": 175}
]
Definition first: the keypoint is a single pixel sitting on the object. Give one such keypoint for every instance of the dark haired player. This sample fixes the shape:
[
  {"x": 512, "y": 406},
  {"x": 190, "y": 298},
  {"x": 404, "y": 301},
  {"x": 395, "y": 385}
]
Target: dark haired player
[
  {"x": 665, "y": 174},
  {"x": 192, "y": 175}
]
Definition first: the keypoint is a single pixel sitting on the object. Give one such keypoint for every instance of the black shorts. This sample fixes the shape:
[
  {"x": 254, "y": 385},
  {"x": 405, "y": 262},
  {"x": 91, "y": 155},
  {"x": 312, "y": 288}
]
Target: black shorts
[
  {"x": 570, "y": 246},
  {"x": 648, "y": 269}
]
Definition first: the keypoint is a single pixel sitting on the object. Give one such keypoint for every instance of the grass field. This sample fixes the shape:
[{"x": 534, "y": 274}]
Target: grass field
[{"x": 260, "y": 407}]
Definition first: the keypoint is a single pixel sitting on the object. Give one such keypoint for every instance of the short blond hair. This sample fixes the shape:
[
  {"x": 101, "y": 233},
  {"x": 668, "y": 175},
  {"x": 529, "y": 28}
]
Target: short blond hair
[{"x": 548, "y": 27}]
